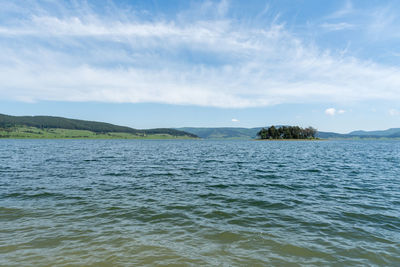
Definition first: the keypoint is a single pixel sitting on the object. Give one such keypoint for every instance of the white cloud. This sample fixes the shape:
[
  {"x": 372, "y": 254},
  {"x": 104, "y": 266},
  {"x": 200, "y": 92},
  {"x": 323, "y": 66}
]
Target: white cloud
[
  {"x": 337, "y": 26},
  {"x": 333, "y": 111},
  {"x": 394, "y": 112},
  {"x": 235, "y": 120},
  {"x": 85, "y": 57},
  {"x": 330, "y": 111}
]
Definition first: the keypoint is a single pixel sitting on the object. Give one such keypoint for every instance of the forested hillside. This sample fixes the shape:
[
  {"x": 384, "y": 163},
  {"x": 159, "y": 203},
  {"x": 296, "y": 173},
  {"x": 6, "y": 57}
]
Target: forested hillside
[{"x": 49, "y": 122}]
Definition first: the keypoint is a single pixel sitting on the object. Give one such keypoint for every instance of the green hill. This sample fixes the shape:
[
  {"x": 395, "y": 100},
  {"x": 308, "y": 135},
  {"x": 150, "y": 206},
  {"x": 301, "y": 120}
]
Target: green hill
[
  {"x": 251, "y": 133},
  {"x": 59, "y": 127},
  {"x": 392, "y": 132},
  {"x": 223, "y": 132}
]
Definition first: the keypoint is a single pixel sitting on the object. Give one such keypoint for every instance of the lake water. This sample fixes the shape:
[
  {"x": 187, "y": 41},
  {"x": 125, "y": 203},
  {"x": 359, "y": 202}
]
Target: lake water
[{"x": 190, "y": 203}]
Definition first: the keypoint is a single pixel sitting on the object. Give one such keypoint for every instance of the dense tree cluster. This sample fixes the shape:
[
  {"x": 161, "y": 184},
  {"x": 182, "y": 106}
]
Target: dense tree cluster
[
  {"x": 287, "y": 132},
  {"x": 48, "y": 122}
]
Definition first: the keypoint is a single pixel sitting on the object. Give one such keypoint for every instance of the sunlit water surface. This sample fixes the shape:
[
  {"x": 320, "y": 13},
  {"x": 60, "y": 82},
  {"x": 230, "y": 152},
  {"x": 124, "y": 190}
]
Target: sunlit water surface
[{"x": 225, "y": 203}]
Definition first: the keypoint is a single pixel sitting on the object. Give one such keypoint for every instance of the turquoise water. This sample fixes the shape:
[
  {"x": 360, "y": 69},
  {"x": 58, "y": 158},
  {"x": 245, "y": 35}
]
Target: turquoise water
[{"x": 190, "y": 203}]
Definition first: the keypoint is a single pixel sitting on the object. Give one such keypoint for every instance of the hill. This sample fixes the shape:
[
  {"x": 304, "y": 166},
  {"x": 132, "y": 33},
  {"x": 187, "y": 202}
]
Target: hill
[
  {"x": 223, "y": 132},
  {"x": 40, "y": 126},
  {"x": 392, "y": 132},
  {"x": 251, "y": 133},
  {"x": 59, "y": 127},
  {"x": 332, "y": 135}
]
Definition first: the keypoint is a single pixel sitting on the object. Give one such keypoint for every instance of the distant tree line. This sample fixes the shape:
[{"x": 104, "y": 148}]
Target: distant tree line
[
  {"x": 49, "y": 122},
  {"x": 287, "y": 132}
]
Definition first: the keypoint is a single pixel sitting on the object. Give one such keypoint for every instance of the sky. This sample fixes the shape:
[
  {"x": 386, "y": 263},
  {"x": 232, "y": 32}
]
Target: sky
[{"x": 333, "y": 65}]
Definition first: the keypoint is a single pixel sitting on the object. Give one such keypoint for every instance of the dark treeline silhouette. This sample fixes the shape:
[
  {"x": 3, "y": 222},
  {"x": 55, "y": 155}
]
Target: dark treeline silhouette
[
  {"x": 287, "y": 132},
  {"x": 48, "y": 122}
]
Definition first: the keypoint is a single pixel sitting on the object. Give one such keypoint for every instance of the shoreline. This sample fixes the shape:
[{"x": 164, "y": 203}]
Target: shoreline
[
  {"x": 316, "y": 139},
  {"x": 100, "y": 138}
]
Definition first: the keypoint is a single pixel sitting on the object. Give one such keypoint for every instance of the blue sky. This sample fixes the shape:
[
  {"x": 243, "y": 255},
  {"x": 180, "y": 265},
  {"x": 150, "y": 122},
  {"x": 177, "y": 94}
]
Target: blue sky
[{"x": 333, "y": 65}]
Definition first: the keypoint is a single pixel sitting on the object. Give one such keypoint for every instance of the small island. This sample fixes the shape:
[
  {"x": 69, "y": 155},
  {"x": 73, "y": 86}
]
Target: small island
[{"x": 287, "y": 133}]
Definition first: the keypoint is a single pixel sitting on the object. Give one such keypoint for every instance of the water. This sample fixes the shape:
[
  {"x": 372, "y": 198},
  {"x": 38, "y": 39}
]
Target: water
[{"x": 190, "y": 203}]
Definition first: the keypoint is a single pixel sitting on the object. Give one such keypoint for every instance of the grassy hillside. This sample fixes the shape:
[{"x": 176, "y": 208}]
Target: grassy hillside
[
  {"x": 25, "y": 132},
  {"x": 58, "y": 127}
]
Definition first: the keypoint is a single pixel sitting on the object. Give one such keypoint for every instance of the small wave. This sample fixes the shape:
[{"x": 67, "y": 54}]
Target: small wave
[
  {"x": 117, "y": 174},
  {"x": 218, "y": 214},
  {"x": 34, "y": 196},
  {"x": 90, "y": 160},
  {"x": 220, "y": 186},
  {"x": 311, "y": 170}
]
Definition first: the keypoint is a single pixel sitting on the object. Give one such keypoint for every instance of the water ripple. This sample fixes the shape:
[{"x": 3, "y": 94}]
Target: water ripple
[{"x": 190, "y": 203}]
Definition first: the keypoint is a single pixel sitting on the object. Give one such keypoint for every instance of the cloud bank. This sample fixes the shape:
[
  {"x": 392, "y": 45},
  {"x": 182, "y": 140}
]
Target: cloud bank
[{"x": 218, "y": 61}]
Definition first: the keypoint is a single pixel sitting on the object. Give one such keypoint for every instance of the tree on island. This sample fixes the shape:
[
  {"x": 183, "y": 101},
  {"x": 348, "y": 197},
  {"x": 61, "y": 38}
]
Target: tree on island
[{"x": 287, "y": 132}]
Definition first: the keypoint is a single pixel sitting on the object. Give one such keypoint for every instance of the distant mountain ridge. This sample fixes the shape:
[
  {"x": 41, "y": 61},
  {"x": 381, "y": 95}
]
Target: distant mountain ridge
[
  {"x": 251, "y": 133},
  {"x": 388, "y": 132},
  {"x": 50, "y": 122},
  {"x": 223, "y": 132}
]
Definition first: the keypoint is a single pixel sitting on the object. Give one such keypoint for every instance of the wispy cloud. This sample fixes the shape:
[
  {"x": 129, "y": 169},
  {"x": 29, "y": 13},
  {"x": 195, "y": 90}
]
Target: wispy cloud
[
  {"x": 383, "y": 23},
  {"x": 345, "y": 10},
  {"x": 374, "y": 23},
  {"x": 207, "y": 62},
  {"x": 337, "y": 26},
  {"x": 235, "y": 120}
]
